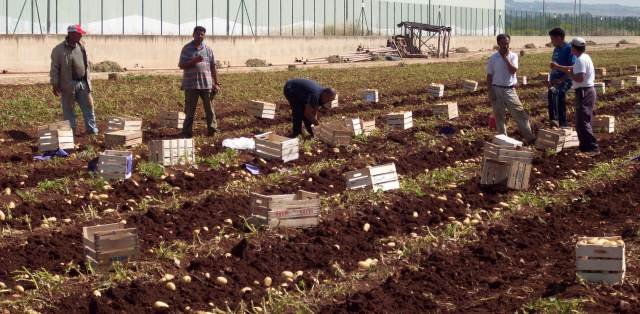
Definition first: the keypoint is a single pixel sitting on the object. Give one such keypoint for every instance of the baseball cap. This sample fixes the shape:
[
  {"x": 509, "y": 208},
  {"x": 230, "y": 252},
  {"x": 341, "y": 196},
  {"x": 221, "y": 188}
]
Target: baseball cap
[
  {"x": 578, "y": 42},
  {"x": 75, "y": 29}
]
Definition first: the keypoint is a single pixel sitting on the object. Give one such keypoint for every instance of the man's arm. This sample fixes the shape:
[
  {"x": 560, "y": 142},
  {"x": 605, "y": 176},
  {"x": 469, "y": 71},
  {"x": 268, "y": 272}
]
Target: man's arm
[
  {"x": 311, "y": 113},
  {"x": 185, "y": 62},
  {"x": 578, "y": 77},
  {"x": 214, "y": 73},
  {"x": 513, "y": 68},
  {"x": 54, "y": 74}
]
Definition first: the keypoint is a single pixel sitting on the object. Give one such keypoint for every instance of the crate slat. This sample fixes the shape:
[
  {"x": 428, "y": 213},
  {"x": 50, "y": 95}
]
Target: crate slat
[
  {"x": 58, "y": 125},
  {"x": 494, "y": 172},
  {"x": 504, "y": 140},
  {"x": 608, "y": 278}
]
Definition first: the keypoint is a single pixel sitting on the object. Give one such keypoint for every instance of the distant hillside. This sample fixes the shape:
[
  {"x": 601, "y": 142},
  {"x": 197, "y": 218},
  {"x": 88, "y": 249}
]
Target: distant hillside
[{"x": 558, "y": 7}]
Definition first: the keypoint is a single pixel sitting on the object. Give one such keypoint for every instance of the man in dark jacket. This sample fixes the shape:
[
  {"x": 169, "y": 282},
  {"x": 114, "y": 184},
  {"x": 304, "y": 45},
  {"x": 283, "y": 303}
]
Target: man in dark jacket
[
  {"x": 559, "y": 82},
  {"x": 305, "y": 98}
]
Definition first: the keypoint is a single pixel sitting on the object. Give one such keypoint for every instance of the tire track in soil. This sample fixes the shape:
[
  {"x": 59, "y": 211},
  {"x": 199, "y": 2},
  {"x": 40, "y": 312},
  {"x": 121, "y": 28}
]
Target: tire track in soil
[{"x": 522, "y": 259}]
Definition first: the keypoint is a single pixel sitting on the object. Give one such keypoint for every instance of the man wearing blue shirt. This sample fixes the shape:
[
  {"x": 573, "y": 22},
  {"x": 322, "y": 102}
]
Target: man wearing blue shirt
[
  {"x": 305, "y": 98},
  {"x": 559, "y": 82}
]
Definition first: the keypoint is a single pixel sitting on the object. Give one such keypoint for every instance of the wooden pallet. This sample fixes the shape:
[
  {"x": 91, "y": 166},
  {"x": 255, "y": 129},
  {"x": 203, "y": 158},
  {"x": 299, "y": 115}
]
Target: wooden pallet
[
  {"x": 600, "y": 263},
  {"x": 435, "y": 90},
  {"x": 172, "y": 152},
  {"x": 523, "y": 80},
  {"x": 600, "y": 72},
  {"x": 105, "y": 244},
  {"x": 368, "y": 127},
  {"x": 124, "y": 124},
  {"x": 370, "y": 96},
  {"x": 469, "y": 86},
  {"x": 333, "y": 134},
  {"x": 287, "y": 211},
  {"x": 379, "y": 178},
  {"x": 115, "y": 165},
  {"x": 601, "y": 88},
  {"x": 173, "y": 119},
  {"x": 261, "y": 109},
  {"x": 448, "y": 110},
  {"x": 504, "y": 140},
  {"x": 50, "y": 140},
  {"x": 634, "y": 80},
  {"x": 630, "y": 69},
  {"x": 123, "y": 139},
  {"x": 400, "y": 120},
  {"x": 275, "y": 147},
  {"x": 58, "y": 125},
  {"x": 603, "y": 124}
]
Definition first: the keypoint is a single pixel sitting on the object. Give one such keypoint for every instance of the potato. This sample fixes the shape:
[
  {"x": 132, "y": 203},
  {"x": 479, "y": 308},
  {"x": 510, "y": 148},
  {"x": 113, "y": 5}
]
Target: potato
[
  {"x": 2, "y": 216},
  {"x": 287, "y": 274},
  {"x": 11, "y": 205},
  {"x": 366, "y": 227},
  {"x": 19, "y": 288},
  {"x": 159, "y": 305},
  {"x": 96, "y": 293},
  {"x": 267, "y": 281},
  {"x": 246, "y": 289},
  {"x": 220, "y": 280},
  {"x": 171, "y": 286},
  {"x": 186, "y": 279},
  {"x": 7, "y": 191}
]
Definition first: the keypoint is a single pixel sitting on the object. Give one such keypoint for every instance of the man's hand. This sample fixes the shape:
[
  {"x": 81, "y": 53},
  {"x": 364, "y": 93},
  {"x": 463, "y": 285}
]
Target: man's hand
[
  {"x": 56, "y": 91},
  {"x": 197, "y": 59},
  {"x": 216, "y": 88},
  {"x": 553, "y": 65}
]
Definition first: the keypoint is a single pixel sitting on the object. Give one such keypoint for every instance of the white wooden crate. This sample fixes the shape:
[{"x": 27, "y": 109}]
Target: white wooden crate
[
  {"x": 58, "y": 125},
  {"x": 637, "y": 108},
  {"x": 261, "y": 109},
  {"x": 601, "y": 88},
  {"x": 370, "y": 96},
  {"x": 522, "y": 80},
  {"x": 173, "y": 119},
  {"x": 600, "y": 72},
  {"x": 448, "y": 110},
  {"x": 124, "y": 124},
  {"x": 435, "y": 90},
  {"x": 115, "y": 165},
  {"x": 543, "y": 76},
  {"x": 276, "y": 147},
  {"x": 504, "y": 140},
  {"x": 334, "y": 134},
  {"x": 630, "y": 69},
  {"x": 172, "y": 152},
  {"x": 603, "y": 124},
  {"x": 123, "y": 138},
  {"x": 287, "y": 210},
  {"x": 469, "y": 85},
  {"x": 50, "y": 140},
  {"x": 335, "y": 103},
  {"x": 601, "y": 262},
  {"x": 380, "y": 178},
  {"x": 368, "y": 126},
  {"x": 557, "y": 139},
  {"x": 617, "y": 83},
  {"x": 400, "y": 120},
  {"x": 105, "y": 244},
  {"x": 634, "y": 80}
]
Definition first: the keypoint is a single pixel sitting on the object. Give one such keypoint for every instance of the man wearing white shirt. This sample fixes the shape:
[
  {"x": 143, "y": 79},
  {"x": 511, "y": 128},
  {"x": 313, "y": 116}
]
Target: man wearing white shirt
[
  {"x": 582, "y": 74},
  {"x": 501, "y": 83}
]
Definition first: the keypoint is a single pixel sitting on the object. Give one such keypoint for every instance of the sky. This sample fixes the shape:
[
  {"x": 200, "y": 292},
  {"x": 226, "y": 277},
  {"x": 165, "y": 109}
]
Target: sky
[{"x": 633, "y": 3}]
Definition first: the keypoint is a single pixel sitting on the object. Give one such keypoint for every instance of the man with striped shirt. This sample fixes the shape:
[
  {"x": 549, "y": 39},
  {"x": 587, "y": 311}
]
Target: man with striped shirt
[{"x": 199, "y": 80}]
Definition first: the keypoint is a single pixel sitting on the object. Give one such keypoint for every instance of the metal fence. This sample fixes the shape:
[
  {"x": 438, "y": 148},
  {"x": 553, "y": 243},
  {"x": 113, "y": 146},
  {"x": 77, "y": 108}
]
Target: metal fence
[
  {"x": 243, "y": 17},
  {"x": 537, "y": 23}
]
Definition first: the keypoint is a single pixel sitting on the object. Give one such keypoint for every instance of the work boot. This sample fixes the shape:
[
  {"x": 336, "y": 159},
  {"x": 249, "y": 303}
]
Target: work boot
[{"x": 211, "y": 132}]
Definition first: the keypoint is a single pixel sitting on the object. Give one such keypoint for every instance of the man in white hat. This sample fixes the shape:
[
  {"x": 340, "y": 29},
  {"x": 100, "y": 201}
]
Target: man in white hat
[
  {"x": 69, "y": 77},
  {"x": 582, "y": 74}
]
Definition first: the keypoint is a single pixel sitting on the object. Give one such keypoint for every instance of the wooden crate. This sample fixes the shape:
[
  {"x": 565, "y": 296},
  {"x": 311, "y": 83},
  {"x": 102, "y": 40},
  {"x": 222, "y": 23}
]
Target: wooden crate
[
  {"x": 448, "y": 110},
  {"x": 603, "y": 124},
  {"x": 552, "y": 139},
  {"x": 400, "y": 120},
  {"x": 333, "y": 134},
  {"x": 289, "y": 210},
  {"x": 601, "y": 88},
  {"x": 58, "y": 125},
  {"x": 105, "y": 244},
  {"x": 631, "y": 69},
  {"x": 637, "y": 108},
  {"x": 502, "y": 153},
  {"x": 173, "y": 119},
  {"x": 523, "y": 80},
  {"x": 617, "y": 83},
  {"x": 543, "y": 76},
  {"x": 634, "y": 80},
  {"x": 469, "y": 86},
  {"x": 261, "y": 109},
  {"x": 115, "y": 165},
  {"x": 494, "y": 172},
  {"x": 599, "y": 262},
  {"x": 380, "y": 178},
  {"x": 124, "y": 124},
  {"x": 273, "y": 146},
  {"x": 519, "y": 175},
  {"x": 370, "y": 96},
  {"x": 354, "y": 125},
  {"x": 50, "y": 140},
  {"x": 504, "y": 140},
  {"x": 601, "y": 72},
  {"x": 335, "y": 103},
  {"x": 172, "y": 152},
  {"x": 571, "y": 138},
  {"x": 123, "y": 139},
  {"x": 435, "y": 90},
  {"x": 368, "y": 126}
]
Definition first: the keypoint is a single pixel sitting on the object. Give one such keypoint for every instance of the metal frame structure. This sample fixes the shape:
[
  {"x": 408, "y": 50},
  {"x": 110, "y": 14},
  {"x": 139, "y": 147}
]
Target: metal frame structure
[{"x": 412, "y": 45}]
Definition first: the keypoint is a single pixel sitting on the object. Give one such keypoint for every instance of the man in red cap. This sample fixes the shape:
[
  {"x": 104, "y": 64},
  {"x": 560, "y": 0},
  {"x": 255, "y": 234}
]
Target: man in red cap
[{"x": 70, "y": 79}]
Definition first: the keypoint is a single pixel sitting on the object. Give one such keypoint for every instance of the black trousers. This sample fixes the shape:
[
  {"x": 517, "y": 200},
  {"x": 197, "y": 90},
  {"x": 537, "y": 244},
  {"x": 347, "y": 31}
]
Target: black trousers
[
  {"x": 585, "y": 103},
  {"x": 297, "y": 114}
]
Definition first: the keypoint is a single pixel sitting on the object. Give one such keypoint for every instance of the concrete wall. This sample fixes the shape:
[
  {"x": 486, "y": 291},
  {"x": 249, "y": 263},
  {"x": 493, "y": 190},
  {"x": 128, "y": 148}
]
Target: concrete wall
[{"x": 28, "y": 53}]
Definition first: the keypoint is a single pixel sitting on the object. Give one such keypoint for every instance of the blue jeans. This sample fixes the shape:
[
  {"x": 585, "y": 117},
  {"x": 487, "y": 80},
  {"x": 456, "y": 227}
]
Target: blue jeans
[
  {"x": 557, "y": 103},
  {"x": 82, "y": 95}
]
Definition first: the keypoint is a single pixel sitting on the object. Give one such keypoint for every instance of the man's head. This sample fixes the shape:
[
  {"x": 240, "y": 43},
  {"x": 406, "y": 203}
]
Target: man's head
[
  {"x": 198, "y": 34},
  {"x": 327, "y": 96},
  {"x": 578, "y": 46},
  {"x": 503, "y": 43},
  {"x": 74, "y": 33},
  {"x": 557, "y": 36}
]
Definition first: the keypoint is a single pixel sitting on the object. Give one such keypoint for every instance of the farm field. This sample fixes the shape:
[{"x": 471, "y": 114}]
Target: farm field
[{"x": 442, "y": 243}]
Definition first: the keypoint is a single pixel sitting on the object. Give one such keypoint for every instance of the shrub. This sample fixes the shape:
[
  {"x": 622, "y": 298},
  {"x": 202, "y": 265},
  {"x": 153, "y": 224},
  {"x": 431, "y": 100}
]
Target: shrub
[
  {"x": 591, "y": 43},
  {"x": 106, "y": 66},
  {"x": 256, "y": 63},
  {"x": 334, "y": 59},
  {"x": 530, "y": 46},
  {"x": 624, "y": 42},
  {"x": 462, "y": 50}
]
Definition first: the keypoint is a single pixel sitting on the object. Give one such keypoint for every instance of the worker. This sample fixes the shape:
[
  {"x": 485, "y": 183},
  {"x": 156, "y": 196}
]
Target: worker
[
  {"x": 199, "y": 80},
  {"x": 559, "y": 83},
  {"x": 69, "y": 77},
  {"x": 583, "y": 75},
  {"x": 306, "y": 97},
  {"x": 501, "y": 84}
]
